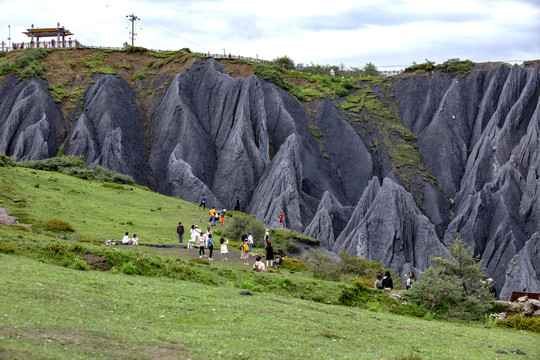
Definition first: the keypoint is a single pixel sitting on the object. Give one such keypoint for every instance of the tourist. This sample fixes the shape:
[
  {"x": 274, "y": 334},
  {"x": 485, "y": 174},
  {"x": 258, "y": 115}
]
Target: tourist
[
  {"x": 237, "y": 206},
  {"x": 269, "y": 255},
  {"x": 387, "y": 282},
  {"x": 212, "y": 213},
  {"x": 281, "y": 220},
  {"x": 222, "y": 216},
  {"x": 378, "y": 283},
  {"x": 125, "y": 239},
  {"x": 203, "y": 202},
  {"x": 259, "y": 265},
  {"x": 180, "y": 232},
  {"x": 224, "y": 250},
  {"x": 266, "y": 238},
  {"x": 201, "y": 242},
  {"x": 244, "y": 255},
  {"x": 210, "y": 245},
  {"x": 410, "y": 279},
  {"x": 491, "y": 288},
  {"x": 135, "y": 240},
  {"x": 194, "y": 237},
  {"x": 250, "y": 240}
]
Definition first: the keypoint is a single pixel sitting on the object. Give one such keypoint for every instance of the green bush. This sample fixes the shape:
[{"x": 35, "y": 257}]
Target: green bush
[
  {"x": 453, "y": 288},
  {"x": 200, "y": 261},
  {"x": 285, "y": 60},
  {"x": 79, "y": 264},
  {"x": 5, "y": 67},
  {"x": 56, "y": 225},
  {"x": 520, "y": 322},
  {"x": 242, "y": 224},
  {"x": 7, "y": 160},
  {"x": 56, "y": 163},
  {"x": 339, "y": 92},
  {"x": 456, "y": 66},
  {"x": 272, "y": 74},
  {"x": 136, "y": 49},
  {"x": 294, "y": 264},
  {"x": 129, "y": 268}
]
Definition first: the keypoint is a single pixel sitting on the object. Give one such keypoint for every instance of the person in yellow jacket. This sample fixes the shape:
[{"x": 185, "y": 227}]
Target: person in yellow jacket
[{"x": 212, "y": 213}]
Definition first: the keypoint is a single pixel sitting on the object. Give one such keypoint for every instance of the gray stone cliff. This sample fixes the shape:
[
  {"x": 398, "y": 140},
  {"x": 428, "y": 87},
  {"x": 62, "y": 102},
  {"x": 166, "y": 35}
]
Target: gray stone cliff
[{"x": 207, "y": 132}]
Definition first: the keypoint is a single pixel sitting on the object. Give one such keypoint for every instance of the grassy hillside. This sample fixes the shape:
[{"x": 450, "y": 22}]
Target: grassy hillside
[
  {"x": 51, "y": 312},
  {"x": 157, "y": 303}
]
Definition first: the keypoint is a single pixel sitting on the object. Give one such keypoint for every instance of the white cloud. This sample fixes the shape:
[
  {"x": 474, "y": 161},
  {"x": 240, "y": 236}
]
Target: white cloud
[{"x": 385, "y": 32}]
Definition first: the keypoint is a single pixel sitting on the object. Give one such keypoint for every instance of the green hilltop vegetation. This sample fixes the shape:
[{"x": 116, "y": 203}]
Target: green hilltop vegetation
[{"x": 67, "y": 295}]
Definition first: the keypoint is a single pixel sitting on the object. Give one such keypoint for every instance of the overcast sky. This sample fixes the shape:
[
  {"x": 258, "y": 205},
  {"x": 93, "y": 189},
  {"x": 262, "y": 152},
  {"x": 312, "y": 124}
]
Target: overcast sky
[{"x": 352, "y": 33}]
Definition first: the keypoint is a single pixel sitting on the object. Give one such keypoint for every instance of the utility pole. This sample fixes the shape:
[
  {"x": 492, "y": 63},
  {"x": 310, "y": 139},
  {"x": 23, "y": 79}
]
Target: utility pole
[
  {"x": 133, "y": 18},
  {"x": 9, "y": 38}
]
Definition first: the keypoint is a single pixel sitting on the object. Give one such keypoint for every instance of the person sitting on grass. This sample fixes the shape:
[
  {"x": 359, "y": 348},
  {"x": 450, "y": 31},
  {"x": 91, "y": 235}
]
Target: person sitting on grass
[
  {"x": 259, "y": 265},
  {"x": 387, "y": 282},
  {"x": 125, "y": 239},
  {"x": 135, "y": 240}
]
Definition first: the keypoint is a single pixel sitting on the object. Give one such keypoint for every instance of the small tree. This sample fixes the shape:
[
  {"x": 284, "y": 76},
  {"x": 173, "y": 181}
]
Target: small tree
[
  {"x": 370, "y": 70},
  {"x": 453, "y": 287},
  {"x": 286, "y": 61}
]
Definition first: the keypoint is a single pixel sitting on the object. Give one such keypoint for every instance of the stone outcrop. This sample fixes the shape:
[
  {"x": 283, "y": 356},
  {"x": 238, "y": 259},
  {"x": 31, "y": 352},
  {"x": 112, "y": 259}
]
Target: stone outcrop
[
  {"x": 207, "y": 132},
  {"x": 388, "y": 226},
  {"x": 30, "y": 121},
  {"x": 109, "y": 133}
]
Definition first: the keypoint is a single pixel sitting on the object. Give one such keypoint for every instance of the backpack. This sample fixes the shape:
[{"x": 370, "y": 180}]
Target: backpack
[{"x": 246, "y": 247}]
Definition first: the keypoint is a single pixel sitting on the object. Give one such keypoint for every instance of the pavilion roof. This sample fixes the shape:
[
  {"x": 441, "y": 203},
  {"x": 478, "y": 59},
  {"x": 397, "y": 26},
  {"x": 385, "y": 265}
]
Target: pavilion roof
[{"x": 47, "y": 32}]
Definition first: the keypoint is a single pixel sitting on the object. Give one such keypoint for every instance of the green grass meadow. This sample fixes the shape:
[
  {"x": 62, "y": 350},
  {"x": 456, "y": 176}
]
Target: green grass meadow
[
  {"x": 50, "y": 312},
  {"x": 55, "y": 305}
]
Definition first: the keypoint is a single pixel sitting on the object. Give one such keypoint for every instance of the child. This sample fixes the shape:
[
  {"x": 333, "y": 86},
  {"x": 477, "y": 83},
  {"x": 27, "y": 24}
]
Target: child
[
  {"x": 259, "y": 266},
  {"x": 378, "y": 283},
  {"x": 224, "y": 250}
]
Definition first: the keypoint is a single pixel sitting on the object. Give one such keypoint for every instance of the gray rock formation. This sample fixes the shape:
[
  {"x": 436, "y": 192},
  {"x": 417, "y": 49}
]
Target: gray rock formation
[
  {"x": 109, "y": 132},
  {"x": 330, "y": 219},
  {"x": 478, "y": 135},
  {"x": 523, "y": 273},
  {"x": 387, "y": 225},
  {"x": 29, "y": 120}
]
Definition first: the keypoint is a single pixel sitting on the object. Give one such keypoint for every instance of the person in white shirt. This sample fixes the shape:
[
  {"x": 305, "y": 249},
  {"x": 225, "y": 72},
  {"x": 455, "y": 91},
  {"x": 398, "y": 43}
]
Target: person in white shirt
[
  {"x": 126, "y": 240},
  {"x": 250, "y": 240}
]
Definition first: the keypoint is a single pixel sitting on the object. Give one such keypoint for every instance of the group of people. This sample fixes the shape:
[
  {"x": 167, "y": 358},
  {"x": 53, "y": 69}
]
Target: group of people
[
  {"x": 386, "y": 283},
  {"x": 214, "y": 215},
  {"x": 127, "y": 241}
]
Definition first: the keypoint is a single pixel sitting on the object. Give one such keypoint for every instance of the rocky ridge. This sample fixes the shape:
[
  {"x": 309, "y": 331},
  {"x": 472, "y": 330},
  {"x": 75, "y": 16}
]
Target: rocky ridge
[{"x": 478, "y": 137}]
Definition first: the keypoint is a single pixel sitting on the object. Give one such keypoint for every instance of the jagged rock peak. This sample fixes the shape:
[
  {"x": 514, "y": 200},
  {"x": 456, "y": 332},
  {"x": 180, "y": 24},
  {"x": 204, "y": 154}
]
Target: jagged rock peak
[{"x": 391, "y": 228}]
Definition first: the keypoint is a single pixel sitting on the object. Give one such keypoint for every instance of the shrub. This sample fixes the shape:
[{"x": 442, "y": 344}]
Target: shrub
[
  {"x": 285, "y": 60},
  {"x": 456, "y": 66},
  {"x": 136, "y": 49},
  {"x": 79, "y": 264},
  {"x": 129, "y": 268},
  {"x": 200, "y": 261},
  {"x": 5, "y": 67},
  {"x": 339, "y": 92},
  {"x": 56, "y": 225},
  {"x": 322, "y": 265},
  {"x": 113, "y": 186},
  {"x": 294, "y": 264},
  {"x": 242, "y": 224},
  {"x": 272, "y": 74},
  {"x": 453, "y": 288},
  {"x": 7, "y": 160},
  {"x": 520, "y": 322},
  {"x": 56, "y": 163}
]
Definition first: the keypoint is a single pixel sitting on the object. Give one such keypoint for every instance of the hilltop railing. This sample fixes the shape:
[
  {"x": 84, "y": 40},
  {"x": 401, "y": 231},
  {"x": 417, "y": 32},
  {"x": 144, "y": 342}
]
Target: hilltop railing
[{"x": 342, "y": 71}]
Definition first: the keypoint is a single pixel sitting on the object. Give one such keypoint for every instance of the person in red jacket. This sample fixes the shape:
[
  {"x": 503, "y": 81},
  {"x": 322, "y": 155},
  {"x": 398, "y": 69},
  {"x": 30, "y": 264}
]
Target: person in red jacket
[{"x": 281, "y": 220}]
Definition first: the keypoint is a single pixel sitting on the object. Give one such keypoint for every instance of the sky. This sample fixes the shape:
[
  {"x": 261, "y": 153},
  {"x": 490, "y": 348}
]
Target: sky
[{"x": 391, "y": 34}]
